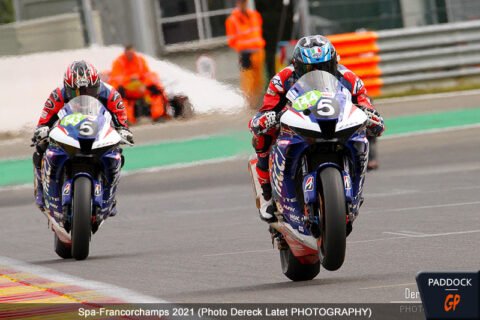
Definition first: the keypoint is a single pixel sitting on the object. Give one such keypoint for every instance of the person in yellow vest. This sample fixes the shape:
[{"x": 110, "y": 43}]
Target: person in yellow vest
[{"x": 244, "y": 34}]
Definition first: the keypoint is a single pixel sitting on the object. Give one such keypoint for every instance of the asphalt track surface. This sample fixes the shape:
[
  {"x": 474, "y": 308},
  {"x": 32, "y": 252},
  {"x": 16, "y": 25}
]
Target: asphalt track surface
[{"x": 193, "y": 235}]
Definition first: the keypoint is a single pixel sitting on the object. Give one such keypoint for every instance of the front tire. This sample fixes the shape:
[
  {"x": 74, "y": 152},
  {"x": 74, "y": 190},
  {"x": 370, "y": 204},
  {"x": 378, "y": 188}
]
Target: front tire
[
  {"x": 332, "y": 215},
  {"x": 296, "y": 271},
  {"x": 82, "y": 218}
]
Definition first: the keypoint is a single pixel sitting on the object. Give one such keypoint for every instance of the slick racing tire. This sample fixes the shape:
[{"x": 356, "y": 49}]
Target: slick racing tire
[
  {"x": 332, "y": 213},
  {"x": 82, "y": 218},
  {"x": 63, "y": 250},
  {"x": 296, "y": 271}
]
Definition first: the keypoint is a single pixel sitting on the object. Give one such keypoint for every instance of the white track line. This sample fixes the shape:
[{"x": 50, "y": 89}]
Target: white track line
[
  {"x": 446, "y": 205},
  {"x": 109, "y": 290},
  {"x": 390, "y": 286}
]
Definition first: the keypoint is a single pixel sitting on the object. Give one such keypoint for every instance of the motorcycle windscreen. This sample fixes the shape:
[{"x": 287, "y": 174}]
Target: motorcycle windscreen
[
  {"x": 83, "y": 117},
  {"x": 85, "y": 105},
  {"x": 320, "y": 82}
]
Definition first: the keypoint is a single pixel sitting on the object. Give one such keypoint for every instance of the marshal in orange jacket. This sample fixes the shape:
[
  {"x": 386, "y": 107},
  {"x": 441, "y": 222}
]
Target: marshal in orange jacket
[
  {"x": 244, "y": 30},
  {"x": 125, "y": 70}
]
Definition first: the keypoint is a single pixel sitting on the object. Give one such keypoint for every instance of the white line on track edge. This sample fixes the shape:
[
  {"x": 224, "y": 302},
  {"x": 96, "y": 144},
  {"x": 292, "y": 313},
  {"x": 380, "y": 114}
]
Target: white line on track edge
[{"x": 107, "y": 289}]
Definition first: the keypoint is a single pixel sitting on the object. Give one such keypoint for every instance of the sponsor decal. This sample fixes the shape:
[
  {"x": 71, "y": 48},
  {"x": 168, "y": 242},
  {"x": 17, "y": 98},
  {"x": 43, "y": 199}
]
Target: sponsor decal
[
  {"x": 288, "y": 208},
  {"x": 450, "y": 295},
  {"x": 358, "y": 86},
  {"x": 55, "y": 96},
  {"x": 309, "y": 184},
  {"x": 277, "y": 82},
  {"x": 49, "y": 104},
  {"x": 66, "y": 190},
  {"x": 120, "y": 105},
  {"x": 44, "y": 114},
  {"x": 294, "y": 218},
  {"x": 270, "y": 92},
  {"x": 346, "y": 181},
  {"x": 98, "y": 190},
  {"x": 72, "y": 119},
  {"x": 283, "y": 142},
  {"x": 316, "y": 52},
  {"x": 278, "y": 168}
]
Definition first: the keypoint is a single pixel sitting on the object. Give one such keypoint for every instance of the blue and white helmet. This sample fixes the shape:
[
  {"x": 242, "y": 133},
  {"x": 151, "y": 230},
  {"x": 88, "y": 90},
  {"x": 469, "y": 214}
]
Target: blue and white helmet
[{"x": 314, "y": 53}]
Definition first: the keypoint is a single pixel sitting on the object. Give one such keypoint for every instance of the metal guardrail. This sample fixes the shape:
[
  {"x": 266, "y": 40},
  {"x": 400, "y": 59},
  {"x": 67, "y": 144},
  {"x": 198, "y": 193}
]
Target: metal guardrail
[
  {"x": 437, "y": 52},
  {"x": 410, "y": 56}
]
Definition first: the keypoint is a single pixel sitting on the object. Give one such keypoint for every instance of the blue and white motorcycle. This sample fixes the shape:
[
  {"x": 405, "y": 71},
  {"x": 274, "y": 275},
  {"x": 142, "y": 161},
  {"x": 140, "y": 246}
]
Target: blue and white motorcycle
[
  {"x": 317, "y": 170},
  {"x": 80, "y": 172}
]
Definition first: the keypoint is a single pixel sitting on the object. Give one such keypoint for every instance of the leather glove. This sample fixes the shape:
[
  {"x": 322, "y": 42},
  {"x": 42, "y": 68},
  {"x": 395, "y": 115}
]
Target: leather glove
[
  {"x": 126, "y": 134},
  {"x": 375, "y": 123},
  {"x": 40, "y": 134},
  {"x": 263, "y": 121}
]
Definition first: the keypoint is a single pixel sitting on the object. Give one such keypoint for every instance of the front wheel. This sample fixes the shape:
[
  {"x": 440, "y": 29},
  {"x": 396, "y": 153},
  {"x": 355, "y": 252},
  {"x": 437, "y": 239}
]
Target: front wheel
[
  {"x": 332, "y": 213},
  {"x": 296, "y": 271},
  {"x": 82, "y": 218}
]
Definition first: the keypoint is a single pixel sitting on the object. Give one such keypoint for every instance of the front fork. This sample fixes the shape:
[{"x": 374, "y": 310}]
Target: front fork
[{"x": 311, "y": 218}]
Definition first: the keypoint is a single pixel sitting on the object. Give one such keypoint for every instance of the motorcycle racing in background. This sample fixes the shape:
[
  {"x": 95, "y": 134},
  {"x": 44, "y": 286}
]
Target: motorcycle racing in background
[
  {"x": 80, "y": 171},
  {"x": 316, "y": 174}
]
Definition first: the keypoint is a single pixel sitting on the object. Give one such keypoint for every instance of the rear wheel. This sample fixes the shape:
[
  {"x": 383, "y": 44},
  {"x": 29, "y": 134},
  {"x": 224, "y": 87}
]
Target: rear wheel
[
  {"x": 296, "y": 271},
  {"x": 82, "y": 218},
  {"x": 63, "y": 250},
  {"x": 332, "y": 213}
]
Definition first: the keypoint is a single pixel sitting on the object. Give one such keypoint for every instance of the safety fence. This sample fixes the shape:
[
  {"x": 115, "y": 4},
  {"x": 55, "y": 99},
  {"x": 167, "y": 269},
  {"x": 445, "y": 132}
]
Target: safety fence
[{"x": 405, "y": 56}]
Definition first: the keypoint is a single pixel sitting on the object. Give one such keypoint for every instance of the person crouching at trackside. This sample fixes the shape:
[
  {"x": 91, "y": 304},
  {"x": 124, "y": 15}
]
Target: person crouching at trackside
[
  {"x": 81, "y": 78},
  {"x": 264, "y": 125}
]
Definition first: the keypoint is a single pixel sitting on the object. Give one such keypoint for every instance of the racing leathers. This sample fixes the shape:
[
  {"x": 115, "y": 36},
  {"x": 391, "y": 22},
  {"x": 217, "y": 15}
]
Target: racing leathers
[
  {"x": 107, "y": 95},
  {"x": 265, "y": 129}
]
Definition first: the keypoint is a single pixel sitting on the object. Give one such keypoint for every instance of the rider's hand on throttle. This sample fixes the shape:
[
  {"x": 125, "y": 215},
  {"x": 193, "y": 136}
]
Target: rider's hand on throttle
[
  {"x": 126, "y": 135},
  {"x": 40, "y": 134},
  {"x": 375, "y": 124}
]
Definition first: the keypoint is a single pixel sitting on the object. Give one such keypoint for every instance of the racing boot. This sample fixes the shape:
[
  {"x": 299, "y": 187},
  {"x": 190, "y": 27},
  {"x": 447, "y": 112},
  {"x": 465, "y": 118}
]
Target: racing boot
[{"x": 267, "y": 208}]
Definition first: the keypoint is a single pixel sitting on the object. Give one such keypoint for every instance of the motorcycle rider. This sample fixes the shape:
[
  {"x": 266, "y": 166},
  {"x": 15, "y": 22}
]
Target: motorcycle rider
[
  {"x": 80, "y": 78},
  {"x": 310, "y": 53}
]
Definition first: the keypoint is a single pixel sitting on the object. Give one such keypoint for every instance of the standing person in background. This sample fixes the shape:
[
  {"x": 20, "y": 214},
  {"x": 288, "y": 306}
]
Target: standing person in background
[{"x": 244, "y": 33}]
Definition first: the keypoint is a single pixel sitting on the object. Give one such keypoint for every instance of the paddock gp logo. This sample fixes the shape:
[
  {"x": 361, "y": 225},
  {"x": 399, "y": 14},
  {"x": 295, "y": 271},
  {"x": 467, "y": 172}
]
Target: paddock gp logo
[{"x": 450, "y": 295}]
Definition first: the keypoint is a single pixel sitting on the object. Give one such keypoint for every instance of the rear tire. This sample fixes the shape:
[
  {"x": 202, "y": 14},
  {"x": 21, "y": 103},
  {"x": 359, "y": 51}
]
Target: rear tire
[
  {"x": 63, "y": 250},
  {"x": 333, "y": 219},
  {"x": 82, "y": 218},
  {"x": 296, "y": 271}
]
